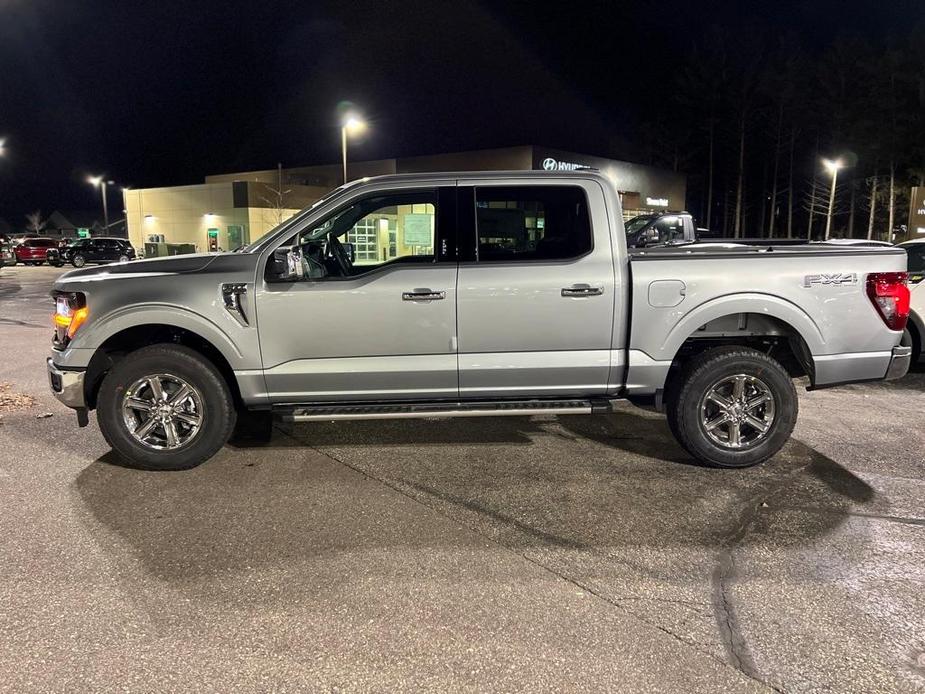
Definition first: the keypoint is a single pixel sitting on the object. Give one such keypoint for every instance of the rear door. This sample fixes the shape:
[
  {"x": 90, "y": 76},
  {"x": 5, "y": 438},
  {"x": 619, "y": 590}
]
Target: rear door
[
  {"x": 91, "y": 251},
  {"x": 536, "y": 294}
]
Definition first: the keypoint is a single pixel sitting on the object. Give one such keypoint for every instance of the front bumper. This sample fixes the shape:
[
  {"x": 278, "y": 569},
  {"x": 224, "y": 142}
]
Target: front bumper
[
  {"x": 899, "y": 362},
  {"x": 67, "y": 386}
]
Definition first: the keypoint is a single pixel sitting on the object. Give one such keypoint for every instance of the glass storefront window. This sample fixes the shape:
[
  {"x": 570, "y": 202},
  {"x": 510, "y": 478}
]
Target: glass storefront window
[{"x": 363, "y": 236}]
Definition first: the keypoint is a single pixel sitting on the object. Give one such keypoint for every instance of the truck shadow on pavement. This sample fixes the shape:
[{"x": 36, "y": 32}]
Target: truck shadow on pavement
[
  {"x": 578, "y": 484},
  {"x": 607, "y": 503}
]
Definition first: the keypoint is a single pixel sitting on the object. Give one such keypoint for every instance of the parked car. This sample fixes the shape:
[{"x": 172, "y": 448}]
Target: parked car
[
  {"x": 915, "y": 329},
  {"x": 32, "y": 251},
  {"x": 97, "y": 250},
  {"x": 494, "y": 294},
  {"x": 7, "y": 257}
]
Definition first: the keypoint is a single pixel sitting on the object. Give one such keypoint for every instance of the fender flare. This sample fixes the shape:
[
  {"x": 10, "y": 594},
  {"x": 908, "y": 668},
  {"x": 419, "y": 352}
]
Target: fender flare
[
  {"x": 170, "y": 315},
  {"x": 752, "y": 302}
]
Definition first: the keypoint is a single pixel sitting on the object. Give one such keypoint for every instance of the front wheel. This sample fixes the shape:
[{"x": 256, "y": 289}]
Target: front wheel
[
  {"x": 165, "y": 407},
  {"x": 78, "y": 261},
  {"x": 734, "y": 407}
]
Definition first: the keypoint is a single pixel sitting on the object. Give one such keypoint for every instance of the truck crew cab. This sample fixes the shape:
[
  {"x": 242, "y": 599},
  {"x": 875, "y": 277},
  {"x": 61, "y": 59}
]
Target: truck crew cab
[{"x": 456, "y": 295}]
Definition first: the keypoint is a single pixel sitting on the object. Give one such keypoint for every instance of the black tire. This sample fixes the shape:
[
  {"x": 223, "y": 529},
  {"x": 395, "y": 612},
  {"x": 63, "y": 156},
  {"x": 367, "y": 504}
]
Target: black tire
[
  {"x": 218, "y": 410},
  {"x": 78, "y": 260},
  {"x": 687, "y": 401},
  {"x": 123, "y": 259}
]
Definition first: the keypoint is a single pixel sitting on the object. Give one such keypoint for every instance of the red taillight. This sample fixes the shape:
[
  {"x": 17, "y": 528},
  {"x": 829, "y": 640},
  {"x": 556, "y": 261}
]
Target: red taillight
[{"x": 889, "y": 293}]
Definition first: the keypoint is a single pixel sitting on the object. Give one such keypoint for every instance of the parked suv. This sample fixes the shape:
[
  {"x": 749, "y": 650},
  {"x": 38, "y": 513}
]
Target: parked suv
[
  {"x": 33, "y": 251},
  {"x": 458, "y": 295},
  {"x": 97, "y": 250}
]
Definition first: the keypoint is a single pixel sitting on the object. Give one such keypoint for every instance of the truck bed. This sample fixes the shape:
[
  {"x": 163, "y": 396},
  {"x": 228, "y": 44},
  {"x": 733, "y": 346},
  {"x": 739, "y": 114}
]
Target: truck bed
[{"x": 818, "y": 292}]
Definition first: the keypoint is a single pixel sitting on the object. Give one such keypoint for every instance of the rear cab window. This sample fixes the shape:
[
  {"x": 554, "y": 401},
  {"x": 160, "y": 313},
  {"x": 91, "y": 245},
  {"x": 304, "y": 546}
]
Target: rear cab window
[{"x": 531, "y": 223}]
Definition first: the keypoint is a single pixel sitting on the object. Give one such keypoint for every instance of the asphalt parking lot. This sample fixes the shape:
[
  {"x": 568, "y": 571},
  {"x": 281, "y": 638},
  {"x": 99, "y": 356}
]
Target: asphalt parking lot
[{"x": 511, "y": 554}]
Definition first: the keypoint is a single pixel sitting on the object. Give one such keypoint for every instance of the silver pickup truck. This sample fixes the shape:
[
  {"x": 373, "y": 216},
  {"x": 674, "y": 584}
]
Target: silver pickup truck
[{"x": 456, "y": 295}]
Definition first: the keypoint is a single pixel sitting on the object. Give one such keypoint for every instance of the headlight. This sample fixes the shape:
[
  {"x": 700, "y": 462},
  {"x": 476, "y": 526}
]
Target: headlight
[{"x": 70, "y": 313}]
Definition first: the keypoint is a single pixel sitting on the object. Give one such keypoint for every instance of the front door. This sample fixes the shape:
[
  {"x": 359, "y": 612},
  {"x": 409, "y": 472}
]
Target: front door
[
  {"x": 374, "y": 318},
  {"x": 536, "y": 304}
]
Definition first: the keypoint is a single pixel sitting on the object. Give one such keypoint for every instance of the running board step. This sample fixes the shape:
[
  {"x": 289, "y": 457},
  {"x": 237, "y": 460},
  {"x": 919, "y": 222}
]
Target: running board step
[{"x": 309, "y": 413}]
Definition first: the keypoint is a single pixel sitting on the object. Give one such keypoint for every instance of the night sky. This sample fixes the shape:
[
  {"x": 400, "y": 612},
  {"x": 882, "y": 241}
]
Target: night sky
[{"x": 163, "y": 93}]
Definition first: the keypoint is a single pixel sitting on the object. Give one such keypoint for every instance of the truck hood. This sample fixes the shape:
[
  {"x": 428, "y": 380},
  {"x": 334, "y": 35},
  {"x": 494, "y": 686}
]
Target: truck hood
[{"x": 173, "y": 265}]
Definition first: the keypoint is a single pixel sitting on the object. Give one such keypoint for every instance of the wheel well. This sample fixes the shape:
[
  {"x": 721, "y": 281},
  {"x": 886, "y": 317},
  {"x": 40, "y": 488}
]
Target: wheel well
[
  {"x": 767, "y": 334},
  {"x": 122, "y": 343}
]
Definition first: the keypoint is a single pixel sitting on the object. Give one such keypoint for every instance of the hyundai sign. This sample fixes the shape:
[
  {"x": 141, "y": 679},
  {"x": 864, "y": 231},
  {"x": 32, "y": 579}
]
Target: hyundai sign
[{"x": 550, "y": 164}]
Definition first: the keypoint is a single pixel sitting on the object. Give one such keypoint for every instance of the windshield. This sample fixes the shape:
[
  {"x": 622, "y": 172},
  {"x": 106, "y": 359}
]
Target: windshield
[
  {"x": 637, "y": 223},
  {"x": 254, "y": 244}
]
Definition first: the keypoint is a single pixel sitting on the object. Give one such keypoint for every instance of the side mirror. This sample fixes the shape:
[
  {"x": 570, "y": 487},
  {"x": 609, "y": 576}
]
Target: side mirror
[
  {"x": 351, "y": 251},
  {"x": 650, "y": 236},
  {"x": 286, "y": 264}
]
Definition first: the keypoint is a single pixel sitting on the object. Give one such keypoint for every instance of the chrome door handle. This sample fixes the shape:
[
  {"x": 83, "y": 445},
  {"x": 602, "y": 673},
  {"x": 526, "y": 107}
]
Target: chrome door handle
[
  {"x": 423, "y": 295},
  {"x": 582, "y": 290}
]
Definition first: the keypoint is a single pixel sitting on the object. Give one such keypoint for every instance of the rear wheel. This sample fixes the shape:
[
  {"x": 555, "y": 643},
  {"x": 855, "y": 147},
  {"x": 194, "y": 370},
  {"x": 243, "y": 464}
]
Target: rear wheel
[
  {"x": 165, "y": 407},
  {"x": 733, "y": 407},
  {"x": 78, "y": 260}
]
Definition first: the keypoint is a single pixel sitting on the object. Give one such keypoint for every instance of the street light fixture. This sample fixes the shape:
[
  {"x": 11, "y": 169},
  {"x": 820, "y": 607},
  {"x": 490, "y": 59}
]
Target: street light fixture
[
  {"x": 352, "y": 125},
  {"x": 2, "y": 146},
  {"x": 832, "y": 166},
  {"x": 101, "y": 183}
]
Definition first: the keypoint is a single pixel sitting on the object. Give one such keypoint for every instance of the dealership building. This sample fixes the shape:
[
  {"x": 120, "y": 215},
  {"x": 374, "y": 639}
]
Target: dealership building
[{"x": 229, "y": 210}]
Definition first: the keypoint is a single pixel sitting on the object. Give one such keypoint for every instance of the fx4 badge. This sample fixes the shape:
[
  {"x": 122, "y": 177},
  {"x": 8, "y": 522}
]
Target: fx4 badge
[{"x": 837, "y": 278}]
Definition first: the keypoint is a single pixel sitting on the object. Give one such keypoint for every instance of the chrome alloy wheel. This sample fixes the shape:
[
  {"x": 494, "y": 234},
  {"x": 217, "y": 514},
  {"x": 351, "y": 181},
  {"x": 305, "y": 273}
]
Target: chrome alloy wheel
[
  {"x": 737, "y": 412},
  {"x": 162, "y": 411}
]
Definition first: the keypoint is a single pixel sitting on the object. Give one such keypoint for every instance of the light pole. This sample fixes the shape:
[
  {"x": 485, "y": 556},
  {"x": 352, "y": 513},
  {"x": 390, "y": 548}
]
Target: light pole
[
  {"x": 101, "y": 183},
  {"x": 832, "y": 166},
  {"x": 352, "y": 125}
]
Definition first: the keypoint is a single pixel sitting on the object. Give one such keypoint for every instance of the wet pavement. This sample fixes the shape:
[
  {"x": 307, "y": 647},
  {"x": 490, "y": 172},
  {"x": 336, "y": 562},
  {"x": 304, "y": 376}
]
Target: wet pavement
[{"x": 515, "y": 554}]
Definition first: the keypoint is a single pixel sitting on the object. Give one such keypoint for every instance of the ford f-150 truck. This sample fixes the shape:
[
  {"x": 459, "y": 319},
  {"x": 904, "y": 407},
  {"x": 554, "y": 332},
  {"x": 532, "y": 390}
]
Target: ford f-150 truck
[{"x": 455, "y": 295}]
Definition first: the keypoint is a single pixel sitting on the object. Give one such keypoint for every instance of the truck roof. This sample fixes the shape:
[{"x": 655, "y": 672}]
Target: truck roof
[{"x": 480, "y": 175}]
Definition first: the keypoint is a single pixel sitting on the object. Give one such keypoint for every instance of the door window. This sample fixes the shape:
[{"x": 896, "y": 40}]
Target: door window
[
  {"x": 670, "y": 229},
  {"x": 531, "y": 223},
  {"x": 370, "y": 233},
  {"x": 916, "y": 262},
  {"x": 916, "y": 253}
]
